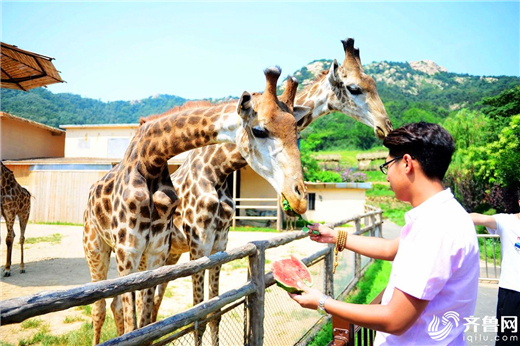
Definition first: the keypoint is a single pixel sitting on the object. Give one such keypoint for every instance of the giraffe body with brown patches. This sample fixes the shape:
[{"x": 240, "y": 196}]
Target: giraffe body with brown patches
[
  {"x": 129, "y": 209},
  {"x": 201, "y": 182},
  {"x": 16, "y": 201}
]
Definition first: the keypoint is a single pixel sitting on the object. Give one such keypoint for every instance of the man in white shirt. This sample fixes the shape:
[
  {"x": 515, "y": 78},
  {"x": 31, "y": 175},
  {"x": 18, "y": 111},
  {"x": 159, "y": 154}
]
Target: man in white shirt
[
  {"x": 434, "y": 280},
  {"x": 507, "y": 226}
]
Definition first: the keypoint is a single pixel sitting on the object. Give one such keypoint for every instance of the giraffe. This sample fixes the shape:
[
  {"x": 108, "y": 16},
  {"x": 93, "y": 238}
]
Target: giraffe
[
  {"x": 344, "y": 88},
  {"x": 16, "y": 200},
  {"x": 128, "y": 209}
]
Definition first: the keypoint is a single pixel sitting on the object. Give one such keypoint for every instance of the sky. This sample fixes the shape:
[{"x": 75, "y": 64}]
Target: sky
[{"x": 207, "y": 49}]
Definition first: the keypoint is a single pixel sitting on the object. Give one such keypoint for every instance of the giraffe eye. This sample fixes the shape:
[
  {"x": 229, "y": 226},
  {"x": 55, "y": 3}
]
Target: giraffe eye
[
  {"x": 354, "y": 90},
  {"x": 259, "y": 132}
]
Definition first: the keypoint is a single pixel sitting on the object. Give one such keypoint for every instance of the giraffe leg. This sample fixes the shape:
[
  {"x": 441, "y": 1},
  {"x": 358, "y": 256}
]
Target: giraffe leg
[
  {"x": 23, "y": 223},
  {"x": 161, "y": 289},
  {"x": 220, "y": 244},
  {"x": 198, "y": 297},
  {"x": 97, "y": 254},
  {"x": 214, "y": 279},
  {"x": 127, "y": 263},
  {"x": 117, "y": 311},
  {"x": 9, "y": 221}
]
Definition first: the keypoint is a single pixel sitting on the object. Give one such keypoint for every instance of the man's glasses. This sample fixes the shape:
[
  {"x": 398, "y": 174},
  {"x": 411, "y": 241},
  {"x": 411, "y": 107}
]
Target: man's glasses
[{"x": 384, "y": 166}]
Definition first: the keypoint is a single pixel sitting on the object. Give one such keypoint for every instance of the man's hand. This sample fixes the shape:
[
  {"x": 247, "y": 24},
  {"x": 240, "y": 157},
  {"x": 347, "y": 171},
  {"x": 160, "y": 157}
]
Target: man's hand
[
  {"x": 326, "y": 234},
  {"x": 309, "y": 298}
]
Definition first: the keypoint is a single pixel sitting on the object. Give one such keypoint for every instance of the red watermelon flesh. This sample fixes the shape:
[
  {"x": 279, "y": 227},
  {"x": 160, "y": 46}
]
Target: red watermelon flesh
[{"x": 287, "y": 272}]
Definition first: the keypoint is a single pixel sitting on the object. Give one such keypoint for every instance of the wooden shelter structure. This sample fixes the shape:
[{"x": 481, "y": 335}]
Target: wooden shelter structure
[{"x": 24, "y": 70}]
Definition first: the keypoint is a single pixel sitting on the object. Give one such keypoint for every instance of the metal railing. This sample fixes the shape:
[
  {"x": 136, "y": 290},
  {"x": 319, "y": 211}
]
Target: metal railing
[
  {"x": 489, "y": 263},
  {"x": 252, "y": 217}
]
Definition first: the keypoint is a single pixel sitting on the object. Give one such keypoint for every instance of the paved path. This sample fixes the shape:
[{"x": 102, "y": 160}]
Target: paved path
[{"x": 486, "y": 299}]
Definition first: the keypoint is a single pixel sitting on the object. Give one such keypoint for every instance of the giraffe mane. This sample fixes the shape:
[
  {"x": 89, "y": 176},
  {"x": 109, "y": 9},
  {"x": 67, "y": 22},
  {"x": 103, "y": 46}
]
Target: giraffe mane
[{"x": 177, "y": 109}]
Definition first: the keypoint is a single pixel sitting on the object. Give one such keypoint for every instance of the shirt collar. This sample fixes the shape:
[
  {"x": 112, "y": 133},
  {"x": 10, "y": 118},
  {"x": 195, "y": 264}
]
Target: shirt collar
[{"x": 426, "y": 206}]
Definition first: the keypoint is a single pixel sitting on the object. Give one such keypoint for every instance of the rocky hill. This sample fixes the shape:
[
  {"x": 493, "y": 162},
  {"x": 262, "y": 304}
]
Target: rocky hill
[{"x": 422, "y": 81}]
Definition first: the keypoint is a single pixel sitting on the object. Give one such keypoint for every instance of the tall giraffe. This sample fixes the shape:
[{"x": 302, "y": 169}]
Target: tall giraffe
[
  {"x": 16, "y": 200},
  {"x": 202, "y": 177},
  {"x": 128, "y": 209}
]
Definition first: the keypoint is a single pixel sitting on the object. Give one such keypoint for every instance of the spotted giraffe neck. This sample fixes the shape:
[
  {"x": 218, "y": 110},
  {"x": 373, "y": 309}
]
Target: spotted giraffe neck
[
  {"x": 159, "y": 140},
  {"x": 320, "y": 97}
]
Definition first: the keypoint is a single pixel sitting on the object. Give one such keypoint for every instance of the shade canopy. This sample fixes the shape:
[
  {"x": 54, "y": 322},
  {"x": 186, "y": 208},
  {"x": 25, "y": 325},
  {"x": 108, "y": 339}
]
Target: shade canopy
[{"x": 24, "y": 70}]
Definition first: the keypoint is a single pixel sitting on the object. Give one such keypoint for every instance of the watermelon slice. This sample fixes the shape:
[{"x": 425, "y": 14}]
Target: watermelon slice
[{"x": 288, "y": 271}]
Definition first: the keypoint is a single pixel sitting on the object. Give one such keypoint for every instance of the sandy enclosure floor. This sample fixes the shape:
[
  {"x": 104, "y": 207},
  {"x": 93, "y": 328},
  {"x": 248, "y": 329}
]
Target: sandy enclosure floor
[{"x": 51, "y": 267}]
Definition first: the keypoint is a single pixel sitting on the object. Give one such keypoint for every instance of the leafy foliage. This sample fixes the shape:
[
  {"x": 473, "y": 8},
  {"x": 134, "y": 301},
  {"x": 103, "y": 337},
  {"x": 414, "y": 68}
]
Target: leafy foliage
[
  {"x": 484, "y": 172},
  {"x": 66, "y": 109}
]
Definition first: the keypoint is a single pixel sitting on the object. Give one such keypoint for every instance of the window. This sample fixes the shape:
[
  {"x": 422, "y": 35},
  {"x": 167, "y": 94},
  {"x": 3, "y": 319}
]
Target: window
[{"x": 311, "y": 201}]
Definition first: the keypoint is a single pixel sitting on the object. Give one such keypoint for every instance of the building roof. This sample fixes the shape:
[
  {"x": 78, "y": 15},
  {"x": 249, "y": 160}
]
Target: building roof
[
  {"x": 88, "y": 126},
  {"x": 177, "y": 160},
  {"x": 32, "y": 123},
  {"x": 24, "y": 70}
]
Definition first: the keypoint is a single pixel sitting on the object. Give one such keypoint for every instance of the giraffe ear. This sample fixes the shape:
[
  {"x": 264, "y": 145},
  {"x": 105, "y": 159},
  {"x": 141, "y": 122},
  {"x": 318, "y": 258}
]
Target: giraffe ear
[
  {"x": 245, "y": 106},
  {"x": 333, "y": 73},
  {"x": 300, "y": 112}
]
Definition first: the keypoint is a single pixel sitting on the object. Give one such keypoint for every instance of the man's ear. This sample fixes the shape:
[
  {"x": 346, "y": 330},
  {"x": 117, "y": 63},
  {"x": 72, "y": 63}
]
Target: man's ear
[
  {"x": 245, "y": 106},
  {"x": 408, "y": 162},
  {"x": 300, "y": 112}
]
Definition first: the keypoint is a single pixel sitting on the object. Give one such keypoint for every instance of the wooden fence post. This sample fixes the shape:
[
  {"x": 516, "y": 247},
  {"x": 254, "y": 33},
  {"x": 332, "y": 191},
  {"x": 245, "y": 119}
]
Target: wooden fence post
[
  {"x": 328, "y": 282},
  {"x": 255, "y": 301}
]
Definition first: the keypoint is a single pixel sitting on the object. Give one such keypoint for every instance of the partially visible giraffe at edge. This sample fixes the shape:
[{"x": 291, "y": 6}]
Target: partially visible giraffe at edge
[
  {"x": 16, "y": 201},
  {"x": 202, "y": 177}
]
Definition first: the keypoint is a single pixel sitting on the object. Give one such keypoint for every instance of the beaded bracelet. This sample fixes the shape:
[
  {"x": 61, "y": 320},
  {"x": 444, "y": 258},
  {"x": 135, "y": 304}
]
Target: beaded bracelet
[{"x": 341, "y": 243}]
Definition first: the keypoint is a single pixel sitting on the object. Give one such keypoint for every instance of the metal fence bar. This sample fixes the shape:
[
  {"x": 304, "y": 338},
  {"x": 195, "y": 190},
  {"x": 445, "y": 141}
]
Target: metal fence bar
[
  {"x": 276, "y": 207},
  {"x": 487, "y": 276}
]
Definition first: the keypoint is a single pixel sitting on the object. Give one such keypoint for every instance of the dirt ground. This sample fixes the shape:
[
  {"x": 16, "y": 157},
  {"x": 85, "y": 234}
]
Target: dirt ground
[{"x": 51, "y": 267}]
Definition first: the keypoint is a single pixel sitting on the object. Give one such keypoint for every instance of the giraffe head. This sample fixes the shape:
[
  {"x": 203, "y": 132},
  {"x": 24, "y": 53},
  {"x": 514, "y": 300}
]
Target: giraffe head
[
  {"x": 268, "y": 139},
  {"x": 356, "y": 92}
]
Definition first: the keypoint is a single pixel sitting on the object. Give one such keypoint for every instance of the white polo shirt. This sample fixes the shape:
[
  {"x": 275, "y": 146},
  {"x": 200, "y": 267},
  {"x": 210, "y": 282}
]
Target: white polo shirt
[
  {"x": 508, "y": 228},
  {"x": 437, "y": 260}
]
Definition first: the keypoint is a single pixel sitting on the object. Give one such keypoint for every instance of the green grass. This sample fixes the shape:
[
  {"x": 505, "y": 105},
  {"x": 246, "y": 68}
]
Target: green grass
[
  {"x": 489, "y": 249},
  {"x": 53, "y": 239},
  {"x": 31, "y": 323},
  {"x": 72, "y": 319},
  {"x": 373, "y": 282},
  {"x": 253, "y": 229},
  {"x": 379, "y": 190},
  {"x": 81, "y": 337},
  {"x": 58, "y": 223},
  {"x": 348, "y": 157},
  {"x": 375, "y": 176}
]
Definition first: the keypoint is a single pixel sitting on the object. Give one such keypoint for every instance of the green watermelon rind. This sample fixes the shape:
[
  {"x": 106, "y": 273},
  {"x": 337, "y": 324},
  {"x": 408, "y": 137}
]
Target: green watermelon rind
[{"x": 292, "y": 289}]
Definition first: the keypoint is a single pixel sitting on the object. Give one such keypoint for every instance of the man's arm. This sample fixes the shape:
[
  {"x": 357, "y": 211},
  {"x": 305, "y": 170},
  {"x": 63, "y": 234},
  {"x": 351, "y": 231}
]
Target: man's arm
[
  {"x": 368, "y": 246},
  {"x": 395, "y": 318},
  {"x": 373, "y": 247},
  {"x": 484, "y": 220}
]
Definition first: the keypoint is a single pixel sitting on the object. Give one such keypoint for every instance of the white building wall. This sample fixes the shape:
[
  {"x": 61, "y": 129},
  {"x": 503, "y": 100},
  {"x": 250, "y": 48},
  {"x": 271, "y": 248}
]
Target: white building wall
[
  {"x": 103, "y": 141},
  {"x": 337, "y": 201}
]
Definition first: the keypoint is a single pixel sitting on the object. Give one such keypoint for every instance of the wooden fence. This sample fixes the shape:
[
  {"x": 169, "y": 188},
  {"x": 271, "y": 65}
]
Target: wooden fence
[{"x": 252, "y": 293}]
